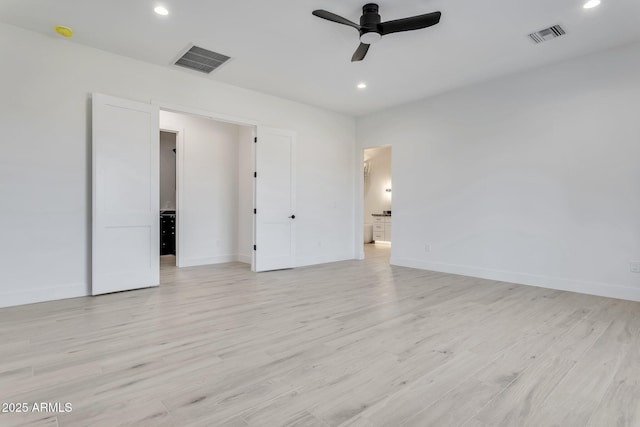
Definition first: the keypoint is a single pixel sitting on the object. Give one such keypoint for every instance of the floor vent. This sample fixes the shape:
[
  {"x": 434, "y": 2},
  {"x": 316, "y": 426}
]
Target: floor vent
[
  {"x": 202, "y": 60},
  {"x": 547, "y": 34}
]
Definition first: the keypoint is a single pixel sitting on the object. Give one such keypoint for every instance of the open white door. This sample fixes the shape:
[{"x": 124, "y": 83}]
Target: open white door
[
  {"x": 125, "y": 195},
  {"x": 274, "y": 200}
]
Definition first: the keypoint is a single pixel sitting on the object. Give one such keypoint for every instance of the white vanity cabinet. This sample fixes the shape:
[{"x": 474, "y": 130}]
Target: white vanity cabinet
[
  {"x": 387, "y": 229},
  {"x": 382, "y": 228}
]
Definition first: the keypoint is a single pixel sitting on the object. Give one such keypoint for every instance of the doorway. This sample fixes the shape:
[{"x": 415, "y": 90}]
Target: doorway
[
  {"x": 377, "y": 198},
  {"x": 125, "y": 193},
  {"x": 168, "y": 224},
  {"x": 206, "y": 199}
]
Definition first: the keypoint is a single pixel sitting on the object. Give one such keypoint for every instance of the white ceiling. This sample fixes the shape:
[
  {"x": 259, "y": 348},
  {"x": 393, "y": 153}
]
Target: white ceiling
[{"x": 278, "y": 47}]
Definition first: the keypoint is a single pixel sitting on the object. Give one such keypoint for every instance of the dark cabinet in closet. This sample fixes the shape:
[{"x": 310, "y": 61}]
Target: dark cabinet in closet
[{"x": 168, "y": 233}]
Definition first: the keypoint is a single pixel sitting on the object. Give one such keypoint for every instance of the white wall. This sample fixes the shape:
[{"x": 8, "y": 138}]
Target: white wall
[
  {"x": 208, "y": 213},
  {"x": 45, "y": 88},
  {"x": 376, "y": 198},
  {"x": 167, "y": 171},
  {"x": 532, "y": 178}
]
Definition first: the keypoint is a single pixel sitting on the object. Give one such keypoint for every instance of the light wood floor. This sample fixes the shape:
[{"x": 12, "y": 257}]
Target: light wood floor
[{"x": 356, "y": 343}]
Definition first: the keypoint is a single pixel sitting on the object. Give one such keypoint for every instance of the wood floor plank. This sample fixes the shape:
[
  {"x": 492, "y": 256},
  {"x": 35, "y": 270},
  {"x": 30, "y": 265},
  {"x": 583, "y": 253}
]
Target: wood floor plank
[
  {"x": 354, "y": 343},
  {"x": 522, "y": 397},
  {"x": 457, "y": 406}
]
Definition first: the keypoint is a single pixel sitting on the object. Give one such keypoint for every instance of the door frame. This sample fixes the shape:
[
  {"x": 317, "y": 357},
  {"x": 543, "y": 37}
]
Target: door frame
[
  {"x": 210, "y": 115},
  {"x": 359, "y": 210},
  {"x": 179, "y": 133}
]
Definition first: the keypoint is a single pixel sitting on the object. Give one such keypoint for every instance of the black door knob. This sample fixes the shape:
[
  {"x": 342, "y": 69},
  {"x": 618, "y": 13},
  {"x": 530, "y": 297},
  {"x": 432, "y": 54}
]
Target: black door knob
[{"x": 292, "y": 217}]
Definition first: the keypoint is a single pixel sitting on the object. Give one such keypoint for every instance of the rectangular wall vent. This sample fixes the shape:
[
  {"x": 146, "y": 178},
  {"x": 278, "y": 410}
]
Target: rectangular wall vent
[
  {"x": 203, "y": 60},
  {"x": 547, "y": 34}
]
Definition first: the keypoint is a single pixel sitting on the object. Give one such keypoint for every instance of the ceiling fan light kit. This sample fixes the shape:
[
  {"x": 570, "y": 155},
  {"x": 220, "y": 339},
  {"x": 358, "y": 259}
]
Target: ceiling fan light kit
[{"x": 371, "y": 28}]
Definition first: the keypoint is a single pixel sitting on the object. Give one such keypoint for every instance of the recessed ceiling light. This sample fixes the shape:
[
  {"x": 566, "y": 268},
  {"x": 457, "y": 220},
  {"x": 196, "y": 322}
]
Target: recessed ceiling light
[
  {"x": 161, "y": 10},
  {"x": 591, "y": 4},
  {"x": 362, "y": 85}
]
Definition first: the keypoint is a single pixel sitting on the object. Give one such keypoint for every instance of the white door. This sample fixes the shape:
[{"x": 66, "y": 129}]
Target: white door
[
  {"x": 125, "y": 195},
  {"x": 275, "y": 218}
]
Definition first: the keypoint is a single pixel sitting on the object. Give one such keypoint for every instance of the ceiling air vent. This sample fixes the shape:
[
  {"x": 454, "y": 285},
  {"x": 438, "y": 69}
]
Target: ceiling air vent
[
  {"x": 547, "y": 34},
  {"x": 203, "y": 60}
]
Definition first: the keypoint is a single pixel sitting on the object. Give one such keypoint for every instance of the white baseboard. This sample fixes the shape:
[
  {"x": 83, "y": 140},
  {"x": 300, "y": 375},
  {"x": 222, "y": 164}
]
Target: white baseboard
[
  {"x": 559, "y": 283},
  {"x": 325, "y": 259},
  {"x": 193, "y": 262},
  {"x": 246, "y": 259},
  {"x": 44, "y": 294}
]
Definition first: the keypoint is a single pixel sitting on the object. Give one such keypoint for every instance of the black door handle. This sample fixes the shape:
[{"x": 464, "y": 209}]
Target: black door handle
[{"x": 292, "y": 217}]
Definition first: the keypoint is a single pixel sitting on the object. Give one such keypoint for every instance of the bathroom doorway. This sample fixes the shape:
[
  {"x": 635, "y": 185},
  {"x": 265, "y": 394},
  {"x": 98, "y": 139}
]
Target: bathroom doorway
[{"x": 377, "y": 201}]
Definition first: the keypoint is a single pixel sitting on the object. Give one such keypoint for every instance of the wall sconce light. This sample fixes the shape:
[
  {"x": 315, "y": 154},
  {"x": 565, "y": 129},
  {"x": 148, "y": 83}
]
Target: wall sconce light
[{"x": 388, "y": 190}]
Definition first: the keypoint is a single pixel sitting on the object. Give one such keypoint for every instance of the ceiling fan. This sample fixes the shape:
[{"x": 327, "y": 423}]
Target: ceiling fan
[{"x": 371, "y": 29}]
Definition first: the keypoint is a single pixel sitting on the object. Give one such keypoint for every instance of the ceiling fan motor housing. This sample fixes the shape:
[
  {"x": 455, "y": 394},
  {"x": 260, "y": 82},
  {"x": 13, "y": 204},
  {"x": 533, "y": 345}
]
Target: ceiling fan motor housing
[
  {"x": 371, "y": 29},
  {"x": 369, "y": 23}
]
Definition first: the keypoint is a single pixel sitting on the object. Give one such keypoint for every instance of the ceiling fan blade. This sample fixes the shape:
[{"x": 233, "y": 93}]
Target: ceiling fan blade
[
  {"x": 409, "y": 24},
  {"x": 360, "y": 53},
  {"x": 335, "y": 18}
]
